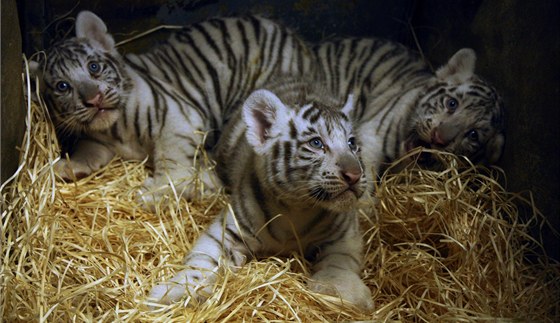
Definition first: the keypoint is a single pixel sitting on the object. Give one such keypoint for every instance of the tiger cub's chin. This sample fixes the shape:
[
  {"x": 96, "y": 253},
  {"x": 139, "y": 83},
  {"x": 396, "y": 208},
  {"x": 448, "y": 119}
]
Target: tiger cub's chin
[
  {"x": 103, "y": 119},
  {"x": 346, "y": 199}
]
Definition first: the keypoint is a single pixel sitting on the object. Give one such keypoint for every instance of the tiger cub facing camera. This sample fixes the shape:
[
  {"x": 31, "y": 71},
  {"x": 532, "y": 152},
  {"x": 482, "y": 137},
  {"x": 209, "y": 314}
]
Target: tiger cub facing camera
[
  {"x": 293, "y": 165},
  {"x": 159, "y": 103}
]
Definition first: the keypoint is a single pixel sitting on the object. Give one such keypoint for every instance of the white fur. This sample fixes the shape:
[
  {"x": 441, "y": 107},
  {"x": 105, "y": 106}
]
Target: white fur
[
  {"x": 89, "y": 26},
  {"x": 348, "y": 106},
  {"x": 459, "y": 68},
  {"x": 300, "y": 223},
  {"x": 265, "y": 116}
]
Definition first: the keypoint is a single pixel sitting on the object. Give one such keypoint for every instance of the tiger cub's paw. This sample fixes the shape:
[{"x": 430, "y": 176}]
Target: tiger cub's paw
[
  {"x": 187, "y": 282},
  {"x": 159, "y": 190},
  {"x": 343, "y": 283},
  {"x": 152, "y": 194},
  {"x": 70, "y": 170}
]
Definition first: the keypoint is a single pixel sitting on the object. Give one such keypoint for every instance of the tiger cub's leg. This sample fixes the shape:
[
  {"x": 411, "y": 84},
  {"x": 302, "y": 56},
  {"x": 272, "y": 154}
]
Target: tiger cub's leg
[
  {"x": 337, "y": 267},
  {"x": 88, "y": 157},
  {"x": 178, "y": 161},
  {"x": 220, "y": 245},
  {"x": 188, "y": 180}
]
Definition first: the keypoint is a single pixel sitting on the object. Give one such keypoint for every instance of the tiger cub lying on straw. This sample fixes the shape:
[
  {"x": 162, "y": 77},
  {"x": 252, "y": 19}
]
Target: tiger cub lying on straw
[
  {"x": 292, "y": 162},
  {"x": 156, "y": 104},
  {"x": 402, "y": 105}
]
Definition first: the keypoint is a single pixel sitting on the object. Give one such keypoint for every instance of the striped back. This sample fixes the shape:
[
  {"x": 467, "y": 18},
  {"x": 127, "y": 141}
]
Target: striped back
[{"x": 217, "y": 63}]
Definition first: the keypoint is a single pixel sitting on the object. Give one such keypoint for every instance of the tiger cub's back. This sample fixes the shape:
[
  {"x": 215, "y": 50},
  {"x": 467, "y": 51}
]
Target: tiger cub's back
[
  {"x": 369, "y": 67},
  {"x": 218, "y": 62}
]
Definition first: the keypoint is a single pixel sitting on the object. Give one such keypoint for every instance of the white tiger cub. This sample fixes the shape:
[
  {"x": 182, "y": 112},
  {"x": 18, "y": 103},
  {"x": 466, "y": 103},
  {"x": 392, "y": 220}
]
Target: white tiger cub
[
  {"x": 157, "y": 104},
  {"x": 292, "y": 164},
  {"x": 403, "y": 105},
  {"x": 115, "y": 109}
]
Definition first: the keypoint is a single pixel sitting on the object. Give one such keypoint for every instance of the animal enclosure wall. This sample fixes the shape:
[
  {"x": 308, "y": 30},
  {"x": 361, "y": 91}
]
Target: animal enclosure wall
[{"x": 516, "y": 41}]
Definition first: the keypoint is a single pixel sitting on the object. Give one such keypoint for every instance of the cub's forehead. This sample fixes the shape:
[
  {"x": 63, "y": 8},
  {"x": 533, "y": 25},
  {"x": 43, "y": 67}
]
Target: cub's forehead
[
  {"x": 314, "y": 111},
  {"x": 71, "y": 50},
  {"x": 475, "y": 88},
  {"x": 481, "y": 103},
  {"x": 68, "y": 57},
  {"x": 323, "y": 117}
]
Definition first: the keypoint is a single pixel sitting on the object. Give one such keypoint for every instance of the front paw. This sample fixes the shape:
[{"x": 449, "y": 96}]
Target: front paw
[
  {"x": 167, "y": 293},
  {"x": 187, "y": 282},
  {"x": 151, "y": 194},
  {"x": 345, "y": 284},
  {"x": 70, "y": 170}
]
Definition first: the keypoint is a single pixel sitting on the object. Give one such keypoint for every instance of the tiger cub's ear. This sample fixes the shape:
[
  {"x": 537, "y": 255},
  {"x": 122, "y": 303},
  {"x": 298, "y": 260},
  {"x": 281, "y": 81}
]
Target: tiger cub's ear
[
  {"x": 265, "y": 115},
  {"x": 90, "y": 26},
  {"x": 35, "y": 78},
  {"x": 348, "y": 106},
  {"x": 495, "y": 148},
  {"x": 459, "y": 68}
]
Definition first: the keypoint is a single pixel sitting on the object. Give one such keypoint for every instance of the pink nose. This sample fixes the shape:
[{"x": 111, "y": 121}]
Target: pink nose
[
  {"x": 437, "y": 139},
  {"x": 351, "y": 177},
  {"x": 96, "y": 100}
]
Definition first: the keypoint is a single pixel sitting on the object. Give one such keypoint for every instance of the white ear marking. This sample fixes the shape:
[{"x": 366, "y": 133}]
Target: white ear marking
[
  {"x": 460, "y": 66},
  {"x": 90, "y": 26}
]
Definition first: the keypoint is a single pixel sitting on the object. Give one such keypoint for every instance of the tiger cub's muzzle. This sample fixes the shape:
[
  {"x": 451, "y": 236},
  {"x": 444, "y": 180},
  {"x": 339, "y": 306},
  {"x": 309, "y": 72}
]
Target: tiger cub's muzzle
[
  {"x": 443, "y": 134},
  {"x": 351, "y": 173}
]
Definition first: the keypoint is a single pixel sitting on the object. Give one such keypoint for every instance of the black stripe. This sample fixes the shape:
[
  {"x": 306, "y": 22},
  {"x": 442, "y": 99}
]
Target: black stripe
[
  {"x": 287, "y": 152},
  {"x": 209, "y": 40}
]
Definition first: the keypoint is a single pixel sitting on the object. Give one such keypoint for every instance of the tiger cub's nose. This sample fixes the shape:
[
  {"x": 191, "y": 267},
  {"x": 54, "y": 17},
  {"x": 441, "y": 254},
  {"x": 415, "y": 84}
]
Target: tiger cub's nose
[
  {"x": 95, "y": 101},
  {"x": 350, "y": 169},
  {"x": 352, "y": 176}
]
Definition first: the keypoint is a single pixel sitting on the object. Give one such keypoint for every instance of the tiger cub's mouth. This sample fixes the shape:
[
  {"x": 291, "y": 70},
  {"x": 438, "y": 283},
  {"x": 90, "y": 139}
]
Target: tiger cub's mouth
[
  {"x": 101, "y": 117},
  {"x": 425, "y": 158},
  {"x": 98, "y": 105},
  {"x": 322, "y": 194}
]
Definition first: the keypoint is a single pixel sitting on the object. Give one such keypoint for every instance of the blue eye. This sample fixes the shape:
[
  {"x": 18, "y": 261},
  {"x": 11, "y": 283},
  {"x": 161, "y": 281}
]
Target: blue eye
[
  {"x": 451, "y": 104},
  {"x": 62, "y": 86},
  {"x": 316, "y": 143},
  {"x": 94, "y": 67},
  {"x": 352, "y": 143}
]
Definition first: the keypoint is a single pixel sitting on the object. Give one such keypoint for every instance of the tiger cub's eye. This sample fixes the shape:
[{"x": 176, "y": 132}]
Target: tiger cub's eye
[
  {"x": 451, "y": 104},
  {"x": 94, "y": 67},
  {"x": 472, "y": 135},
  {"x": 62, "y": 86},
  {"x": 352, "y": 143},
  {"x": 316, "y": 143}
]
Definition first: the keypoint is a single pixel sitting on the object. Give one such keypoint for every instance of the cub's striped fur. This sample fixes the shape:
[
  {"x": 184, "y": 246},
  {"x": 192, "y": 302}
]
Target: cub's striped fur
[
  {"x": 292, "y": 164},
  {"x": 401, "y": 104},
  {"x": 154, "y": 104}
]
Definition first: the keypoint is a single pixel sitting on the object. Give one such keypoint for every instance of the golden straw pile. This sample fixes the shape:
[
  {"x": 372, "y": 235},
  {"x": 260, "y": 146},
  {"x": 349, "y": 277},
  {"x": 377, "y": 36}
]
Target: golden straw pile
[{"x": 441, "y": 246}]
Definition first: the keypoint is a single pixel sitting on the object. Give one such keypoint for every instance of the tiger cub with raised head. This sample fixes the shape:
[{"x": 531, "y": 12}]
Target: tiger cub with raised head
[
  {"x": 402, "y": 105},
  {"x": 292, "y": 163},
  {"x": 157, "y": 104}
]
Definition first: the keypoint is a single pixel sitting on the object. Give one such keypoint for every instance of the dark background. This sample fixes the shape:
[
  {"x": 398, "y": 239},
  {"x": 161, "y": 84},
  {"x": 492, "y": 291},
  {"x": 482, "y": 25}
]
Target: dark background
[{"x": 517, "y": 42}]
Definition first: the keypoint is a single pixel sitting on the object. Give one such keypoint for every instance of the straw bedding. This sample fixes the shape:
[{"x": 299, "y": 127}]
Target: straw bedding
[{"x": 441, "y": 246}]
